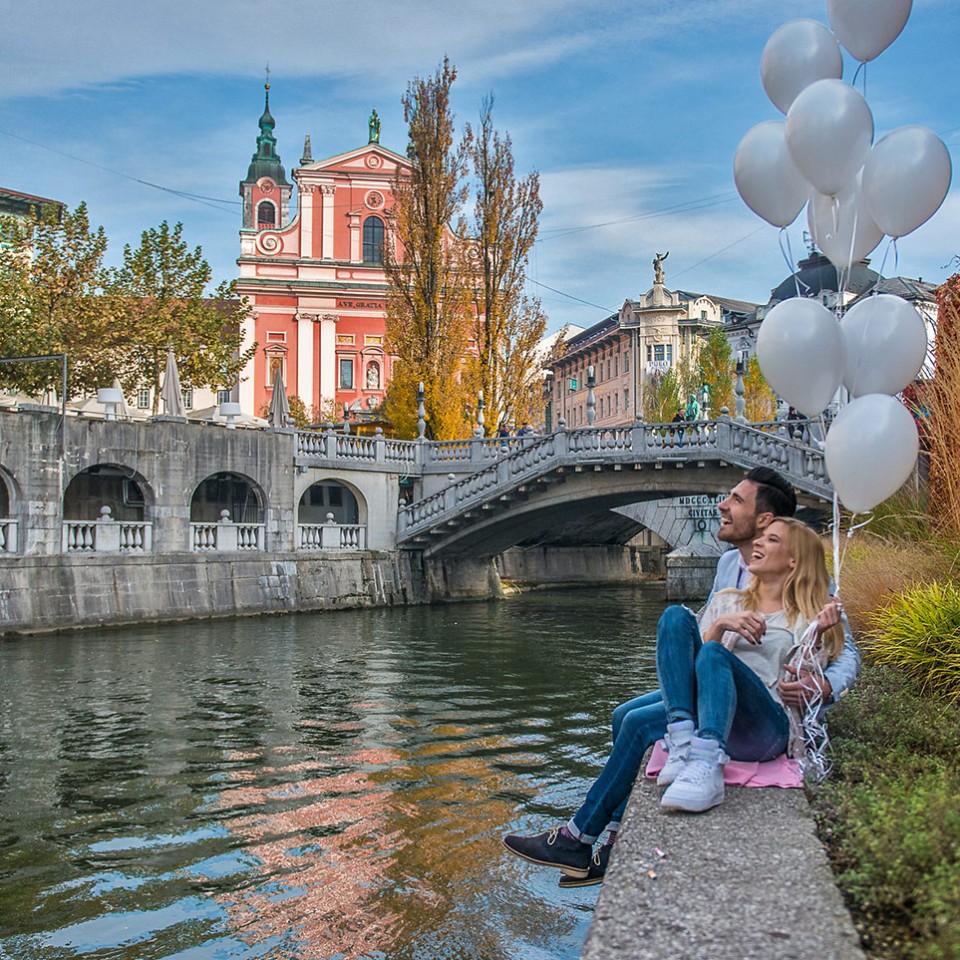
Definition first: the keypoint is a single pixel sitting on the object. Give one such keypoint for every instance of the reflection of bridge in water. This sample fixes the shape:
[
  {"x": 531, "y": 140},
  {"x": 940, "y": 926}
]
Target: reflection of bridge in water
[{"x": 563, "y": 488}]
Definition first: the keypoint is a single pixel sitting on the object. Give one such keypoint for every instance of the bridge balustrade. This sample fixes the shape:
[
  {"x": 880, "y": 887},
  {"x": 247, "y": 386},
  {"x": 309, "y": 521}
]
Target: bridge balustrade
[
  {"x": 332, "y": 536},
  {"x": 107, "y": 536},
  {"x": 227, "y": 537},
  {"x": 8, "y": 535}
]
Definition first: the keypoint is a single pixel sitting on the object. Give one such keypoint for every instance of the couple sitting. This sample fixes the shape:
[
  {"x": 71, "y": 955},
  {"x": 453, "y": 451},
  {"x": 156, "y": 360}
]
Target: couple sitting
[{"x": 731, "y": 686}]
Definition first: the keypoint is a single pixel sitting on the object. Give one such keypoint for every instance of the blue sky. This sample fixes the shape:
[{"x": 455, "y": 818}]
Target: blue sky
[{"x": 631, "y": 111}]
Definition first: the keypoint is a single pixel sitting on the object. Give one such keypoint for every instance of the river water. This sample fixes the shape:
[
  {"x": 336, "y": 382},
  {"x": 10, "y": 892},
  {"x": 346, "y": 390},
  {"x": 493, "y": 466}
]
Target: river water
[{"x": 312, "y": 786}]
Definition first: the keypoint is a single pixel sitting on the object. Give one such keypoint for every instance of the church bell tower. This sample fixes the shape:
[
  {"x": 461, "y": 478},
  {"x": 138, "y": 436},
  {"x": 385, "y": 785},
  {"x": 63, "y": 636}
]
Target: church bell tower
[{"x": 266, "y": 190}]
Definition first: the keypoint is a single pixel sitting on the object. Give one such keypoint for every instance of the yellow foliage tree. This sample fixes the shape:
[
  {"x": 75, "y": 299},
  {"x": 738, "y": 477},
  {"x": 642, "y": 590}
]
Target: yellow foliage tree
[
  {"x": 761, "y": 401},
  {"x": 429, "y": 309}
]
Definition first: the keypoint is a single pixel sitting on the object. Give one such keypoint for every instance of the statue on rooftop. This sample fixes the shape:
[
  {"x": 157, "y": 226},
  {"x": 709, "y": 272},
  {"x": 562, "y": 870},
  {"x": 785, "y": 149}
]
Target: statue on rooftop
[
  {"x": 658, "y": 266},
  {"x": 374, "y": 124}
]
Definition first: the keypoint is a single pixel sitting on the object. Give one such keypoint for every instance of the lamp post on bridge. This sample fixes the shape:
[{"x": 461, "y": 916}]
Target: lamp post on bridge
[{"x": 591, "y": 399}]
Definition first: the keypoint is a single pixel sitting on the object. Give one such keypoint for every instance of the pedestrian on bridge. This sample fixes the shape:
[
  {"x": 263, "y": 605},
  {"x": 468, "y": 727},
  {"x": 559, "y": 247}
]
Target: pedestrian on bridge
[{"x": 746, "y": 516}]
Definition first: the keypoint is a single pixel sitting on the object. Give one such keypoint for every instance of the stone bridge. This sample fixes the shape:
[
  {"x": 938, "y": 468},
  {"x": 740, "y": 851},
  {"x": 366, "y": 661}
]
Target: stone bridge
[{"x": 564, "y": 488}]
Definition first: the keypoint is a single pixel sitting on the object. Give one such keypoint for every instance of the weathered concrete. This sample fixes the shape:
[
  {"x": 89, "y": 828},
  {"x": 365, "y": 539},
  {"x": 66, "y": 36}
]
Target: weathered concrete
[
  {"x": 604, "y": 564},
  {"x": 747, "y": 880},
  {"x": 690, "y": 573},
  {"x": 53, "y": 593}
]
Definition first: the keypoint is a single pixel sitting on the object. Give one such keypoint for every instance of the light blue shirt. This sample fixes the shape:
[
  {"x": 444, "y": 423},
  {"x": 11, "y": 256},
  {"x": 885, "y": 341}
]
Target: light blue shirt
[{"x": 732, "y": 572}]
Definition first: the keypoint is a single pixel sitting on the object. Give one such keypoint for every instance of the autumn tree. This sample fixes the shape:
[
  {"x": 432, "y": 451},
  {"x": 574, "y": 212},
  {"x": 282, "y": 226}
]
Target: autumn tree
[
  {"x": 54, "y": 299},
  {"x": 429, "y": 303},
  {"x": 666, "y": 392},
  {"x": 508, "y": 325},
  {"x": 162, "y": 285},
  {"x": 716, "y": 370},
  {"x": 761, "y": 401}
]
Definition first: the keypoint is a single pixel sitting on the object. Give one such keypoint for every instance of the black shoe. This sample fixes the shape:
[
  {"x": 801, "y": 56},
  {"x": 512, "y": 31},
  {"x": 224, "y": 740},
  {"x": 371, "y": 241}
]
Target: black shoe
[
  {"x": 598, "y": 867},
  {"x": 552, "y": 849}
]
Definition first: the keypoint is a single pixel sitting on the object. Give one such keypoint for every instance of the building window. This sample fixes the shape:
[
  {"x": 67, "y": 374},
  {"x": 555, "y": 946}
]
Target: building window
[
  {"x": 626, "y": 363},
  {"x": 143, "y": 398},
  {"x": 346, "y": 373},
  {"x": 663, "y": 351},
  {"x": 373, "y": 375},
  {"x": 703, "y": 314},
  {"x": 373, "y": 240},
  {"x": 187, "y": 399},
  {"x": 266, "y": 215},
  {"x": 223, "y": 396}
]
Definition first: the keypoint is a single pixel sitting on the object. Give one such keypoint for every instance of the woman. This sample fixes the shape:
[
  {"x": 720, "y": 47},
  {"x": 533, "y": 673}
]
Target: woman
[{"x": 718, "y": 697}]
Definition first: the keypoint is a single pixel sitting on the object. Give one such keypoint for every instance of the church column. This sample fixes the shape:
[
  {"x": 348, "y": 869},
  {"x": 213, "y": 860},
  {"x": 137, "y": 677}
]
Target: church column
[
  {"x": 305, "y": 357},
  {"x": 306, "y": 220},
  {"x": 328, "y": 356},
  {"x": 328, "y": 190}
]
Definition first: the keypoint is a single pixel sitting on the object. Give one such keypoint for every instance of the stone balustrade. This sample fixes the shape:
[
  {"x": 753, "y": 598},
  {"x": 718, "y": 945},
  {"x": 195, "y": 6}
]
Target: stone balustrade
[
  {"x": 332, "y": 536},
  {"x": 8, "y": 535},
  {"x": 107, "y": 536},
  {"x": 227, "y": 537}
]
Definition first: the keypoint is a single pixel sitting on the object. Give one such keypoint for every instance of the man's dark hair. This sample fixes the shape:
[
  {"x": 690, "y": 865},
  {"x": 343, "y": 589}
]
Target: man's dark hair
[{"x": 774, "y": 493}]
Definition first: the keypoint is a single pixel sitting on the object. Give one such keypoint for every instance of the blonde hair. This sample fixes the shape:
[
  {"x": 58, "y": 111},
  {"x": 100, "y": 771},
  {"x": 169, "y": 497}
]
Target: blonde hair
[{"x": 807, "y": 588}]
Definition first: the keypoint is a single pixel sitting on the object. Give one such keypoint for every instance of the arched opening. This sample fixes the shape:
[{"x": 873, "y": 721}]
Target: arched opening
[
  {"x": 266, "y": 215},
  {"x": 373, "y": 240},
  {"x": 228, "y": 492},
  {"x": 8, "y": 525},
  {"x": 329, "y": 518},
  {"x": 102, "y": 486},
  {"x": 4, "y": 498},
  {"x": 104, "y": 511}
]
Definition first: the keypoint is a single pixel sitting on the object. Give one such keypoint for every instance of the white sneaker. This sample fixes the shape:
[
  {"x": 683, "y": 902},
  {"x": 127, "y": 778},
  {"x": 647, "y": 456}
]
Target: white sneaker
[
  {"x": 677, "y": 744},
  {"x": 699, "y": 785}
]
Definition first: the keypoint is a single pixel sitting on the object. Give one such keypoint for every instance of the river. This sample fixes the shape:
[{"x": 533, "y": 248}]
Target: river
[{"x": 311, "y": 786}]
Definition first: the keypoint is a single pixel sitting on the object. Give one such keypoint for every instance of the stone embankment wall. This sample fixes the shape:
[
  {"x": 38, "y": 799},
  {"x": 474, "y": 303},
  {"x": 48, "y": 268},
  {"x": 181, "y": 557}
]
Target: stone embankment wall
[{"x": 40, "y": 594}]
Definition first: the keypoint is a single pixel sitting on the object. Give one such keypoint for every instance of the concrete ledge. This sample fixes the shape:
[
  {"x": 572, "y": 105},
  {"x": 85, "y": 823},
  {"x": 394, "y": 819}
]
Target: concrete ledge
[{"x": 748, "y": 880}]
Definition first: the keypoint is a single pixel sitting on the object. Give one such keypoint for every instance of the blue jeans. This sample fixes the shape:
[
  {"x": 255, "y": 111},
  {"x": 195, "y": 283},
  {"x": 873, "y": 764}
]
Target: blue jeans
[{"x": 699, "y": 681}]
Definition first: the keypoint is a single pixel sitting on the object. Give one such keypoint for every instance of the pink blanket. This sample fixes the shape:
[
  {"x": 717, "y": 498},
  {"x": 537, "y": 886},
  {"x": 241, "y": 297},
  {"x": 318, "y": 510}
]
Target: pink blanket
[{"x": 781, "y": 772}]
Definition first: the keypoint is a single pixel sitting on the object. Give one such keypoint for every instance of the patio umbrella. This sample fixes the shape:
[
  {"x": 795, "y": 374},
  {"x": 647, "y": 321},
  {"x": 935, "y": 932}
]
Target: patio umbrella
[
  {"x": 122, "y": 410},
  {"x": 170, "y": 392},
  {"x": 279, "y": 414}
]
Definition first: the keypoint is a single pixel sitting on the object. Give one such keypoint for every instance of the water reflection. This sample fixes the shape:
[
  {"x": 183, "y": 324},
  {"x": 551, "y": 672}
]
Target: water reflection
[{"x": 314, "y": 786}]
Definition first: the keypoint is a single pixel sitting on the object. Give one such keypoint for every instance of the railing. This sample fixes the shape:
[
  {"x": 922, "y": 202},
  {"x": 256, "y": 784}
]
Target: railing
[
  {"x": 107, "y": 536},
  {"x": 8, "y": 535},
  {"x": 725, "y": 439},
  {"x": 227, "y": 537},
  {"x": 332, "y": 536}
]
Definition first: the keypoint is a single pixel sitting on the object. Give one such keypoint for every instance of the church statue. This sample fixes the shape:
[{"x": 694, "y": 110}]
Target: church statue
[
  {"x": 658, "y": 266},
  {"x": 374, "y": 124}
]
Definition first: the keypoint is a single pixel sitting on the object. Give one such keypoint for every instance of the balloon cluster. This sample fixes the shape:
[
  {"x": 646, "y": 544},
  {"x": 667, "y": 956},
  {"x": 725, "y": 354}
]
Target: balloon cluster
[{"x": 822, "y": 156}]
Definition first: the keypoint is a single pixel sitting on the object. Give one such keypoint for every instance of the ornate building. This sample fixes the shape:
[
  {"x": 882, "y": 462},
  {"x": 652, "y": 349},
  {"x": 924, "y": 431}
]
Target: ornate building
[
  {"x": 315, "y": 281},
  {"x": 647, "y": 337}
]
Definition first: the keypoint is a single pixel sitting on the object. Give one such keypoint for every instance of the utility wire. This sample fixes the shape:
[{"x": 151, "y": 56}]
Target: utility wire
[{"x": 196, "y": 198}]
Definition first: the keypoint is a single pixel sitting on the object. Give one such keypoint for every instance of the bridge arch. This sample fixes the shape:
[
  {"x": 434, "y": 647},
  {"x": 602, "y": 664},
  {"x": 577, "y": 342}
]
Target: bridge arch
[
  {"x": 126, "y": 492},
  {"x": 242, "y": 498}
]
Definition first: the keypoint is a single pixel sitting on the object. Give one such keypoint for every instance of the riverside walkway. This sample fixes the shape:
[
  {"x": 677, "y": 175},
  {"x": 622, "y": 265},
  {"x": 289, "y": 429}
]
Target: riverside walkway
[{"x": 748, "y": 880}]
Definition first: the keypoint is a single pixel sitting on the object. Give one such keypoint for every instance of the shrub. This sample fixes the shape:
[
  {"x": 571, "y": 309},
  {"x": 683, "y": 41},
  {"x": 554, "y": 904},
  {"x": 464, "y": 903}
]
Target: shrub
[{"x": 919, "y": 632}]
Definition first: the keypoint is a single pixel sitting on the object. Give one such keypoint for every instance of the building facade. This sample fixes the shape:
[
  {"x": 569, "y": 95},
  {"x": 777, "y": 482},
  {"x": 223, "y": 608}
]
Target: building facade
[
  {"x": 315, "y": 280},
  {"x": 647, "y": 337}
]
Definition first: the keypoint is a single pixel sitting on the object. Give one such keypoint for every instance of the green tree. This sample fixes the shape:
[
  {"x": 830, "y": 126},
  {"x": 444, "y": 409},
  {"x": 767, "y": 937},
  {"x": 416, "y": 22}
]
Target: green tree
[
  {"x": 666, "y": 393},
  {"x": 716, "y": 370},
  {"x": 761, "y": 401},
  {"x": 55, "y": 298},
  {"x": 508, "y": 325},
  {"x": 429, "y": 302},
  {"x": 162, "y": 288}
]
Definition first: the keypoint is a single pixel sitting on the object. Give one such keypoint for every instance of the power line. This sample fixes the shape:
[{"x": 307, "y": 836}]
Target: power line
[
  {"x": 569, "y": 296},
  {"x": 196, "y": 198}
]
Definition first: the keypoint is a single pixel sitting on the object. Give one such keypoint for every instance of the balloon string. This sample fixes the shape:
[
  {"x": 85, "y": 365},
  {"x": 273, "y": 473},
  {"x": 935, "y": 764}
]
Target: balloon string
[
  {"x": 861, "y": 66},
  {"x": 835, "y": 540},
  {"x": 787, "y": 252}
]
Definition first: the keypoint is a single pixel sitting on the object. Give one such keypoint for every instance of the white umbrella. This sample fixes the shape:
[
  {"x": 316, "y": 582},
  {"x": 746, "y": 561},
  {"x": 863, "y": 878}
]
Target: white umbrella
[
  {"x": 279, "y": 414},
  {"x": 170, "y": 392},
  {"x": 122, "y": 410}
]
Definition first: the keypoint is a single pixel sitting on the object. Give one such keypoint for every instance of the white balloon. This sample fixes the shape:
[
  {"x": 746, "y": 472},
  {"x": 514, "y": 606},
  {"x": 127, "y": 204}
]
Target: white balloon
[
  {"x": 829, "y": 130},
  {"x": 885, "y": 344},
  {"x": 871, "y": 450},
  {"x": 800, "y": 349},
  {"x": 836, "y": 221},
  {"x": 905, "y": 179},
  {"x": 867, "y": 27},
  {"x": 797, "y": 54},
  {"x": 766, "y": 176}
]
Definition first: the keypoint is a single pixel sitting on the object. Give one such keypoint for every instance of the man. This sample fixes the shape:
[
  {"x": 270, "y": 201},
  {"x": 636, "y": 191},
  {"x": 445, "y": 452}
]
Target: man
[
  {"x": 751, "y": 505},
  {"x": 749, "y": 508}
]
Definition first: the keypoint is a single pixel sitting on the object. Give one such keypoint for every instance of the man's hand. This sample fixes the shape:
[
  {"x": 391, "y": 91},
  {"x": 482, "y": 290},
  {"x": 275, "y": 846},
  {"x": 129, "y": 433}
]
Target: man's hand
[
  {"x": 803, "y": 687},
  {"x": 749, "y": 625}
]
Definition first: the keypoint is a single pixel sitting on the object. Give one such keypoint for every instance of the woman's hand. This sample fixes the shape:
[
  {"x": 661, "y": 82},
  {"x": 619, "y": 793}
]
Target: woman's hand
[
  {"x": 749, "y": 625},
  {"x": 829, "y": 616}
]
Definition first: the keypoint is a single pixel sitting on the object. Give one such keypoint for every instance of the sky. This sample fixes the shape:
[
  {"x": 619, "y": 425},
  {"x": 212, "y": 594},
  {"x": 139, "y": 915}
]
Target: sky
[{"x": 631, "y": 111}]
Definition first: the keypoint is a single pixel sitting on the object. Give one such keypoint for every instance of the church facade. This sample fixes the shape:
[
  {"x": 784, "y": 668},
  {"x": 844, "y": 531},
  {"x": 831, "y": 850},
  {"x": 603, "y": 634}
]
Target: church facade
[{"x": 315, "y": 280}]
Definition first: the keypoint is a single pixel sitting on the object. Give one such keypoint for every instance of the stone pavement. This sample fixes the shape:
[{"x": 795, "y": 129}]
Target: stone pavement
[{"x": 748, "y": 880}]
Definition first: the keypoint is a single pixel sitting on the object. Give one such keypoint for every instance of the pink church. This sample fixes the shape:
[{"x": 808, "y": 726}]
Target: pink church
[{"x": 315, "y": 281}]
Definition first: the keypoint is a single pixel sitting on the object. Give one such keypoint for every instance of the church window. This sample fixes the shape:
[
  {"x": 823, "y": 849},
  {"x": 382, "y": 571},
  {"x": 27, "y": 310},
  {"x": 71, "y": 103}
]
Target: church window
[
  {"x": 346, "y": 373},
  {"x": 266, "y": 215},
  {"x": 373, "y": 240}
]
